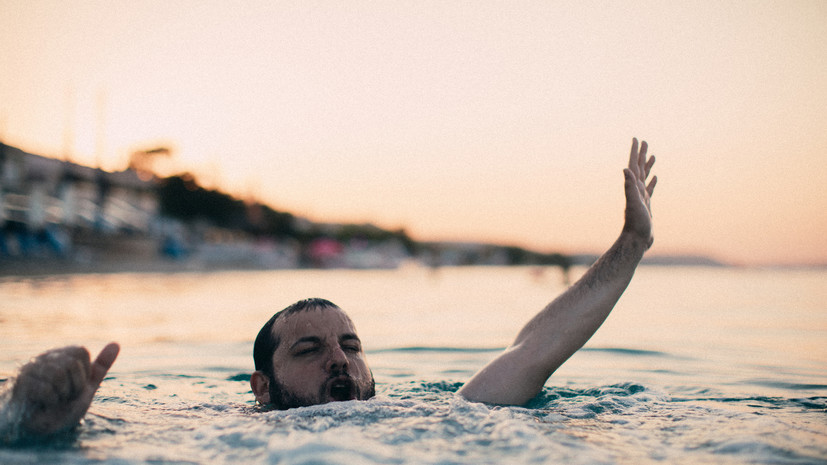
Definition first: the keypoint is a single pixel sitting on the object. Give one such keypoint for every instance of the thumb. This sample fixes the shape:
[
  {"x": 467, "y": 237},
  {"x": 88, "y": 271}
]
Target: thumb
[{"x": 104, "y": 362}]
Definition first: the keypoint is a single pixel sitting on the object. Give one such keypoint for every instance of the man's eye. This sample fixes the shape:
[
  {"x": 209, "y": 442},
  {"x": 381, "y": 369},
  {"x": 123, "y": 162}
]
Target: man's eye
[
  {"x": 352, "y": 348},
  {"x": 308, "y": 350}
]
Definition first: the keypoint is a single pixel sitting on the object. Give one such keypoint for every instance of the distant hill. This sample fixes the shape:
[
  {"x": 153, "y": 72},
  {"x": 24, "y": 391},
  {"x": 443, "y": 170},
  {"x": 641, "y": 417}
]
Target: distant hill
[
  {"x": 656, "y": 260},
  {"x": 681, "y": 260}
]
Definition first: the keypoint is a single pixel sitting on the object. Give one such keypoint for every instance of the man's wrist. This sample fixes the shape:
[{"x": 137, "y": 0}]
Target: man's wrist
[{"x": 633, "y": 243}]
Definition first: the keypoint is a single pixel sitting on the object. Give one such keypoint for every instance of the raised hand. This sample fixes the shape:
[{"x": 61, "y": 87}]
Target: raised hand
[
  {"x": 54, "y": 390},
  {"x": 565, "y": 324},
  {"x": 638, "y": 220}
]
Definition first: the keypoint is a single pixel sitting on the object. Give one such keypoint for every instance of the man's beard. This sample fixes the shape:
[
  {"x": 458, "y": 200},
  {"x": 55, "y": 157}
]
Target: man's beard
[{"x": 283, "y": 399}]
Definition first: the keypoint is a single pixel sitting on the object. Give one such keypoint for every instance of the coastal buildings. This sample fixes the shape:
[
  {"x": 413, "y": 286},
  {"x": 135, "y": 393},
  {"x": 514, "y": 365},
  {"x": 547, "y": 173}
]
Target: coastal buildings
[
  {"x": 46, "y": 204},
  {"x": 56, "y": 215}
]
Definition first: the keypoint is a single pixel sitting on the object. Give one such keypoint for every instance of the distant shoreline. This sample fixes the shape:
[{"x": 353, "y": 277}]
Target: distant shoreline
[
  {"x": 57, "y": 267},
  {"x": 12, "y": 268}
]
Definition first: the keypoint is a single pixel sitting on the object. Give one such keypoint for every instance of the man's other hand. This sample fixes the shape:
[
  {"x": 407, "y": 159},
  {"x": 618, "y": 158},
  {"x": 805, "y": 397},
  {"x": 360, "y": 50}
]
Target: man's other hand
[{"x": 55, "y": 389}]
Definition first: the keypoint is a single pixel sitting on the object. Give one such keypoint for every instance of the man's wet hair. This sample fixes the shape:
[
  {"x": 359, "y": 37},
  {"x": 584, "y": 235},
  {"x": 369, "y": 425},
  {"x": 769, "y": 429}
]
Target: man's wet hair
[{"x": 267, "y": 342}]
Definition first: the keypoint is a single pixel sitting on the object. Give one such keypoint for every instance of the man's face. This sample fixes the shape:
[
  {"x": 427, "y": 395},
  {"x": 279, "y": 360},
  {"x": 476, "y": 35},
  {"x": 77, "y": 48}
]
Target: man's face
[{"x": 319, "y": 359}]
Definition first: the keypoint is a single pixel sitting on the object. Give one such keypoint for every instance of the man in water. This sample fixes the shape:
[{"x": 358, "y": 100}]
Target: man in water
[{"x": 309, "y": 353}]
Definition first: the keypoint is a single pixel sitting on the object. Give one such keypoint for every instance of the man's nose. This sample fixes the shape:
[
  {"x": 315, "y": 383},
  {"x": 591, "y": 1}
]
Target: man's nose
[{"x": 337, "y": 360}]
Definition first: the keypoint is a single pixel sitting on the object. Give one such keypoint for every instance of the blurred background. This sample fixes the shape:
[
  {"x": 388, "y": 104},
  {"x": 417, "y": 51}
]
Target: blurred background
[{"x": 193, "y": 135}]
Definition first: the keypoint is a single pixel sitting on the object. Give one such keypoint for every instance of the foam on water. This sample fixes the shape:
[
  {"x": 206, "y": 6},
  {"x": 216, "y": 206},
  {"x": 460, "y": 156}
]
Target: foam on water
[{"x": 415, "y": 423}]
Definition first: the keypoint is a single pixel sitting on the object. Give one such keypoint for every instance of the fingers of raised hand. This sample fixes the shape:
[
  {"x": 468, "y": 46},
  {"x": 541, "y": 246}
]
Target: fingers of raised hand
[
  {"x": 638, "y": 163},
  {"x": 650, "y": 189},
  {"x": 648, "y": 167},
  {"x": 641, "y": 159},
  {"x": 633, "y": 157}
]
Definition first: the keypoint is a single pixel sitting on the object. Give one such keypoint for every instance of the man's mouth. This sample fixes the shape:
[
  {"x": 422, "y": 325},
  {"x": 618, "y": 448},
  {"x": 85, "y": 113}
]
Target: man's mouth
[{"x": 341, "y": 388}]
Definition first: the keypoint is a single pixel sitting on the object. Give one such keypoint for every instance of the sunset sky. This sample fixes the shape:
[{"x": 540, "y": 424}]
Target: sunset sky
[{"x": 506, "y": 122}]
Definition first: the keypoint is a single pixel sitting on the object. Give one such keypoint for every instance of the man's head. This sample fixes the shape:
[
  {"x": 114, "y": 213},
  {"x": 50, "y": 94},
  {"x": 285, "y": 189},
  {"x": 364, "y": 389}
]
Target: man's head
[{"x": 309, "y": 354}]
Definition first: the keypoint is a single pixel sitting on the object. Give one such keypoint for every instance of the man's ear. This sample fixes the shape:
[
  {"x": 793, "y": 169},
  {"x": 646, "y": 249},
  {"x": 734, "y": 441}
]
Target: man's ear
[{"x": 260, "y": 383}]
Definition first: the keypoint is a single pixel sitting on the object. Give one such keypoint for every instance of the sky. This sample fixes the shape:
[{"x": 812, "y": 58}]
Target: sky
[{"x": 505, "y": 122}]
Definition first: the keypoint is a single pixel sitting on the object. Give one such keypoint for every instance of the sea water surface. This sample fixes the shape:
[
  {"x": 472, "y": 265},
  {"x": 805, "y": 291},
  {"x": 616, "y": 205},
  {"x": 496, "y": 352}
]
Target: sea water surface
[{"x": 695, "y": 365}]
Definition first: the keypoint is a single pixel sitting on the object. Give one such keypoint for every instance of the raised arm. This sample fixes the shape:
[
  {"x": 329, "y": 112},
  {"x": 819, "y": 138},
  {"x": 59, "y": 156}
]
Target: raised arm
[
  {"x": 564, "y": 325},
  {"x": 51, "y": 393}
]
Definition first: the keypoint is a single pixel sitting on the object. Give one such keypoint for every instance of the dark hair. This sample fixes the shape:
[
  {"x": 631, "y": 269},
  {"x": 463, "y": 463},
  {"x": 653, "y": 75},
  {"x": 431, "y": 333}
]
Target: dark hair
[{"x": 267, "y": 342}]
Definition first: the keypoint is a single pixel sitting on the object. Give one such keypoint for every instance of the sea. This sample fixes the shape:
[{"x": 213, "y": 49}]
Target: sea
[{"x": 695, "y": 365}]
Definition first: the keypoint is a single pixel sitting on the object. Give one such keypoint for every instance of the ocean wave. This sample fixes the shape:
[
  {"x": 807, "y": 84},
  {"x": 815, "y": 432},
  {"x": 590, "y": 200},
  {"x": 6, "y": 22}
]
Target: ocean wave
[{"x": 187, "y": 419}]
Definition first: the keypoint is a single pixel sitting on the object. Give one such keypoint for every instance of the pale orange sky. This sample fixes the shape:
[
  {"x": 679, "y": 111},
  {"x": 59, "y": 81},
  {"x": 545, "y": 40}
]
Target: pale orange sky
[{"x": 474, "y": 120}]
